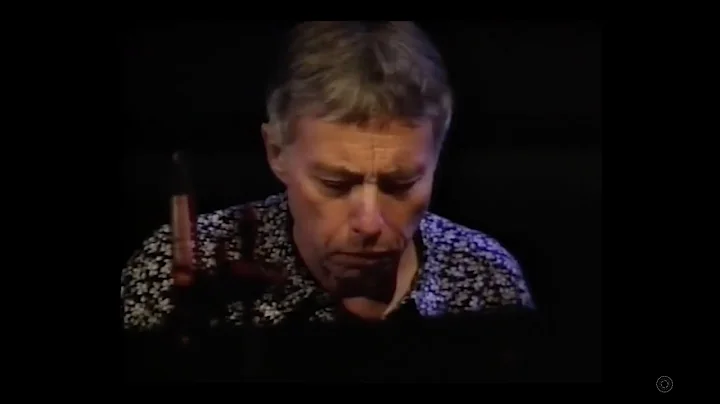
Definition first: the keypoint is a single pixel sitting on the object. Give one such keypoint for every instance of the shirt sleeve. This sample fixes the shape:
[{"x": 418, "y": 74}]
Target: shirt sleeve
[
  {"x": 510, "y": 281},
  {"x": 500, "y": 279},
  {"x": 146, "y": 282}
]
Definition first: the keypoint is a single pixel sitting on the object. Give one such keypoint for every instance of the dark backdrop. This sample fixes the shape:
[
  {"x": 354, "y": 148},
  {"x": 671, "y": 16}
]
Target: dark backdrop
[{"x": 522, "y": 162}]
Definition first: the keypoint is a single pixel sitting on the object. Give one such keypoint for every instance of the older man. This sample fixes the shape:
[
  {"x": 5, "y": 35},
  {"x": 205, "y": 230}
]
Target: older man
[{"x": 357, "y": 116}]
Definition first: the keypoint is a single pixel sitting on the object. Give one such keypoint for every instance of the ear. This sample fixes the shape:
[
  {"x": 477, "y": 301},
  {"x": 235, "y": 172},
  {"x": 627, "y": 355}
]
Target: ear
[{"x": 274, "y": 151}]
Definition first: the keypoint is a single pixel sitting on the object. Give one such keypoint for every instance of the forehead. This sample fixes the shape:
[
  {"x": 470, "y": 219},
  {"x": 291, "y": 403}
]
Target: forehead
[{"x": 384, "y": 147}]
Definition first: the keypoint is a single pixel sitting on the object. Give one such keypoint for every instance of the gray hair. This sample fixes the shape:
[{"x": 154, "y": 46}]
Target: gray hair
[{"x": 363, "y": 73}]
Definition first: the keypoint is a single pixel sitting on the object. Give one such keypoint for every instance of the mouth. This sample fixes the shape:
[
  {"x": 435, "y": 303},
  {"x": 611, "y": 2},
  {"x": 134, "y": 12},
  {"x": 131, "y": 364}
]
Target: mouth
[{"x": 364, "y": 260}]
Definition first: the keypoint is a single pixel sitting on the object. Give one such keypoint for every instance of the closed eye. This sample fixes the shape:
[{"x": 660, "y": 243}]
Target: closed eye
[
  {"x": 340, "y": 186},
  {"x": 397, "y": 188},
  {"x": 388, "y": 187}
]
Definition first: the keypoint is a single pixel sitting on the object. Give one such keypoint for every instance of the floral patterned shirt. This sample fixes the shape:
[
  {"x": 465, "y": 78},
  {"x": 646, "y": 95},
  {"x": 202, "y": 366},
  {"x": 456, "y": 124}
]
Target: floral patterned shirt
[{"x": 460, "y": 270}]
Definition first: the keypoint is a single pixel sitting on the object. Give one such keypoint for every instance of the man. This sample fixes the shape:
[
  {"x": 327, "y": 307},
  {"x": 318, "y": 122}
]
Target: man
[{"x": 357, "y": 117}]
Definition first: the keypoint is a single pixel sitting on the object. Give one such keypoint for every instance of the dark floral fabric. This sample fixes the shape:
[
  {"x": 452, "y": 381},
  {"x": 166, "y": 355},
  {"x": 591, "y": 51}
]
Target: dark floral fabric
[{"x": 461, "y": 270}]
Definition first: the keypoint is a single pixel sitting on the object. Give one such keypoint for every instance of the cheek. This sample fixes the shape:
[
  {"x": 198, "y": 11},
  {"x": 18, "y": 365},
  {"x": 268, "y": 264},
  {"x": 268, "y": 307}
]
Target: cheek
[
  {"x": 313, "y": 211},
  {"x": 304, "y": 190},
  {"x": 307, "y": 204},
  {"x": 403, "y": 215}
]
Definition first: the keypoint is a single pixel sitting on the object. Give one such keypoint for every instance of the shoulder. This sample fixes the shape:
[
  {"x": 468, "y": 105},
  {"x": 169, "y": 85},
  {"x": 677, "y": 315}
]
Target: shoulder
[
  {"x": 479, "y": 271},
  {"x": 146, "y": 279}
]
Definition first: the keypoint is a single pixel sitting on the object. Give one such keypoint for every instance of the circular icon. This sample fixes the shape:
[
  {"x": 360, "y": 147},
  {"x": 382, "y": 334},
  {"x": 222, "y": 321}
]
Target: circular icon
[{"x": 664, "y": 384}]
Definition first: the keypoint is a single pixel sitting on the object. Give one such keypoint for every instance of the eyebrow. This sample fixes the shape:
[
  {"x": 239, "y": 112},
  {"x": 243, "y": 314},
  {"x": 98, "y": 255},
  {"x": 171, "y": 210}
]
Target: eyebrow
[
  {"x": 334, "y": 170},
  {"x": 397, "y": 174}
]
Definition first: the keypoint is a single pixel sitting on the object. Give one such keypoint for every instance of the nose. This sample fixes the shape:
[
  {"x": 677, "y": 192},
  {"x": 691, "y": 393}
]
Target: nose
[{"x": 367, "y": 220}]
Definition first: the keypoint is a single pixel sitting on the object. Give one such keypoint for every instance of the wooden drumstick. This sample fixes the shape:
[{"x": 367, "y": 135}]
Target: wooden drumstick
[{"x": 183, "y": 225}]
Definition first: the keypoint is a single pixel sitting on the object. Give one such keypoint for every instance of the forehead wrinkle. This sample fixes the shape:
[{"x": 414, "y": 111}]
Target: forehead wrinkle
[
  {"x": 377, "y": 158},
  {"x": 364, "y": 150},
  {"x": 371, "y": 159}
]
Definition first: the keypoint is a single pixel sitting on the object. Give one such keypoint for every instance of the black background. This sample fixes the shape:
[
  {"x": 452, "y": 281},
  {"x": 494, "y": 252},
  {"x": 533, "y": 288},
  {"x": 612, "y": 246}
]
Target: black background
[{"x": 522, "y": 161}]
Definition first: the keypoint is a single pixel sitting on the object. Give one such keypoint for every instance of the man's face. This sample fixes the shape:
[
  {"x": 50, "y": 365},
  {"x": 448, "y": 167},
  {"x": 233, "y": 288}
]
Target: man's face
[{"x": 356, "y": 194}]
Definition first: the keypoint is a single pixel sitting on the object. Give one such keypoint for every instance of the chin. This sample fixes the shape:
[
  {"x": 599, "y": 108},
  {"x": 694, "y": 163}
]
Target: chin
[{"x": 341, "y": 274}]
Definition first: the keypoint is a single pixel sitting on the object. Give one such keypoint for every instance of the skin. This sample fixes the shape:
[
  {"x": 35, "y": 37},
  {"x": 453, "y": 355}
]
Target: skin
[{"x": 355, "y": 190}]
